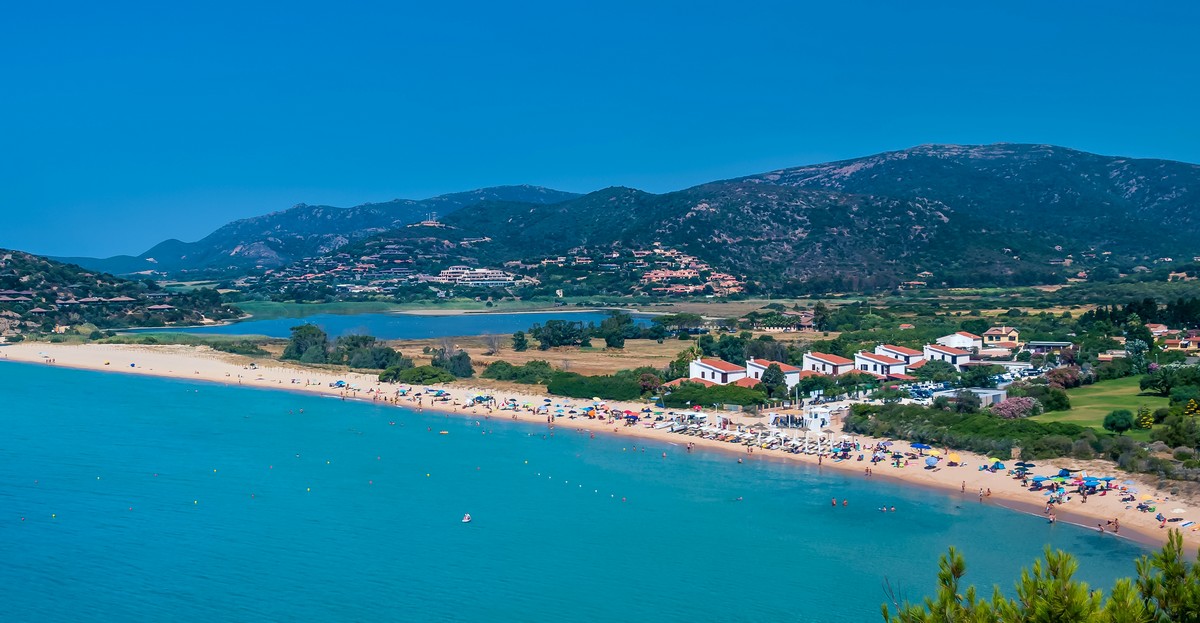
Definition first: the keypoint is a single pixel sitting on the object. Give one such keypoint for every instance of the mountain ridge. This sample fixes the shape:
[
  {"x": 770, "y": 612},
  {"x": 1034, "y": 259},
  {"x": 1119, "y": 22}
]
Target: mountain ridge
[
  {"x": 277, "y": 238},
  {"x": 1006, "y": 213}
]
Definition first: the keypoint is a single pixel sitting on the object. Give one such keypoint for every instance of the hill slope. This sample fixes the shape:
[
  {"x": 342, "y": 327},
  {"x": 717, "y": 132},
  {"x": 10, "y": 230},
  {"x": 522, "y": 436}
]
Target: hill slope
[
  {"x": 279, "y": 238},
  {"x": 37, "y": 293},
  {"x": 986, "y": 215}
]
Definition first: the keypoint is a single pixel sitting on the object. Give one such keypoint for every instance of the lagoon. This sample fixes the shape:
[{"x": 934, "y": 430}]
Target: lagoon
[
  {"x": 141, "y": 499},
  {"x": 396, "y": 326}
]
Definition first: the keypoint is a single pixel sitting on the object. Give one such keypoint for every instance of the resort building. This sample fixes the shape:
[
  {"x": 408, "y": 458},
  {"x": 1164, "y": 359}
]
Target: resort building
[
  {"x": 909, "y": 356},
  {"x": 823, "y": 363},
  {"x": 962, "y": 341},
  {"x": 952, "y": 356},
  {"x": 879, "y": 365},
  {"x": 755, "y": 368},
  {"x": 716, "y": 370}
]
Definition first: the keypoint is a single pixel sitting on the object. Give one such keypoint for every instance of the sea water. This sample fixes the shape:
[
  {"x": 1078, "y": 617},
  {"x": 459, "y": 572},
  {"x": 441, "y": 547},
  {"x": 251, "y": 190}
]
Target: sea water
[
  {"x": 397, "y": 326},
  {"x": 141, "y": 499}
]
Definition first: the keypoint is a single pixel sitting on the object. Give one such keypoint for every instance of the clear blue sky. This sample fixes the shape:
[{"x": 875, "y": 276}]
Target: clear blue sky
[{"x": 124, "y": 124}]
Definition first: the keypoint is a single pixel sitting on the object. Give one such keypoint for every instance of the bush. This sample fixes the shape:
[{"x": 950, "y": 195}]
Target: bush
[
  {"x": 240, "y": 347},
  {"x": 691, "y": 394},
  {"x": 422, "y": 375},
  {"x": 532, "y": 373},
  {"x": 606, "y": 387}
]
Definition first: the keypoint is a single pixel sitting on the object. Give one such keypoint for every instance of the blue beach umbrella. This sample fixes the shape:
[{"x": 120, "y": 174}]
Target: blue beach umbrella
[
  {"x": 1040, "y": 478},
  {"x": 931, "y": 461},
  {"x": 921, "y": 446}
]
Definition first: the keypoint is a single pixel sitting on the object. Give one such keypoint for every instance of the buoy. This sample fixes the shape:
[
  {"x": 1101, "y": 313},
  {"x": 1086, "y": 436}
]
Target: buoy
[
  {"x": 427, "y": 475},
  {"x": 327, "y": 462},
  {"x": 195, "y": 501},
  {"x": 53, "y": 515},
  {"x": 308, "y": 489}
]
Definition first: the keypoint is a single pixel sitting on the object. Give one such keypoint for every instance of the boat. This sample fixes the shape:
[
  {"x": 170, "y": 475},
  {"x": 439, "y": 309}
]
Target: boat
[{"x": 466, "y": 518}]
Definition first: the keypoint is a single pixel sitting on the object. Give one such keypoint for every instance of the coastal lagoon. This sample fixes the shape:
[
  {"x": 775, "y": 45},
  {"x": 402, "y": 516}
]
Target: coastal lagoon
[
  {"x": 397, "y": 326},
  {"x": 142, "y": 499}
]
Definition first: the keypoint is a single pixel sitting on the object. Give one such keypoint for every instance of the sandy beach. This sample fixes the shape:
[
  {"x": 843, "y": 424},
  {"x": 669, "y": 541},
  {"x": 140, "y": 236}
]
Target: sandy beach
[{"x": 205, "y": 364}]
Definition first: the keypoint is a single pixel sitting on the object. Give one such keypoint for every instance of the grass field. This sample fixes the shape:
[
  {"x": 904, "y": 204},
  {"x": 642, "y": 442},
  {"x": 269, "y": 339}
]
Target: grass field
[{"x": 1090, "y": 403}]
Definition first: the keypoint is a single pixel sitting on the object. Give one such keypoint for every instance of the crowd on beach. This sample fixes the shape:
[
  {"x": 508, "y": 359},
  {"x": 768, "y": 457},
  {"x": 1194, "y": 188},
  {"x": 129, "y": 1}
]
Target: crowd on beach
[{"x": 814, "y": 439}]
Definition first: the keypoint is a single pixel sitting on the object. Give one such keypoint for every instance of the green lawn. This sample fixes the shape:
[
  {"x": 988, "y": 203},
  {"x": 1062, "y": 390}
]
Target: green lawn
[{"x": 1090, "y": 403}]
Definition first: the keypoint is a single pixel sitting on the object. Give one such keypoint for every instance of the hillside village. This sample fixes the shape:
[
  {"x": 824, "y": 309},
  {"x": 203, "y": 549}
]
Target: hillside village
[{"x": 391, "y": 267}]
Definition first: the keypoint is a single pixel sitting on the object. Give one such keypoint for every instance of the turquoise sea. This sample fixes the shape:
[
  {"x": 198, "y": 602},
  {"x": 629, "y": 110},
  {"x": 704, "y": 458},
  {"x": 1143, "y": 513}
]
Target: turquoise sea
[
  {"x": 397, "y": 326},
  {"x": 142, "y": 499}
]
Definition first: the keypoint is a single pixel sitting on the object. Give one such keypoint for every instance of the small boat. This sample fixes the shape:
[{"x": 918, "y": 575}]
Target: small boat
[
  {"x": 466, "y": 518},
  {"x": 444, "y": 432}
]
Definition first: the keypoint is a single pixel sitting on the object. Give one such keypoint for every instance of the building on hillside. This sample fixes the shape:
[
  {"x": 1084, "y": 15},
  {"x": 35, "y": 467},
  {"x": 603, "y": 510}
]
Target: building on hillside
[
  {"x": 824, "y": 363},
  {"x": 1157, "y": 330},
  {"x": 755, "y": 368},
  {"x": 952, "y": 356},
  {"x": 909, "y": 356},
  {"x": 1004, "y": 337},
  {"x": 1042, "y": 347},
  {"x": 962, "y": 340},
  {"x": 879, "y": 365},
  {"x": 716, "y": 370}
]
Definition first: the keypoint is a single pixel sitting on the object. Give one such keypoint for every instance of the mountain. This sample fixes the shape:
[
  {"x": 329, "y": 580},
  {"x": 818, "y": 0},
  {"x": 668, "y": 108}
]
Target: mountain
[
  {"x": 944, "y": 214},
  {"x": 37, "y": 293},
  {"x": 279, "y": 238},
  {"x": 954, "y": 215},
  {"x": 1122, "y": 203}
]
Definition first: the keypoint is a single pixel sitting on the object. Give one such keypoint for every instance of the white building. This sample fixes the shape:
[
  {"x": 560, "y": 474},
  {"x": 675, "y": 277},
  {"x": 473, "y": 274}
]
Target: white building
[
  {"x": 962, "y": 341},
  {"x": 755, "y": 368},
  {"x": 952, "y": 356},
  {"x": 879, "y": 365},
  {"x": 716, "y": 370},
  {"x": 909, "y": 356},
  {"x": 823, "y": 363}
]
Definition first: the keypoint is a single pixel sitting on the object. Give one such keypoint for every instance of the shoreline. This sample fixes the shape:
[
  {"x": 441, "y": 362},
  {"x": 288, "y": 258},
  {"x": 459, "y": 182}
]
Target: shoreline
[{"x": 204, "y": 364}]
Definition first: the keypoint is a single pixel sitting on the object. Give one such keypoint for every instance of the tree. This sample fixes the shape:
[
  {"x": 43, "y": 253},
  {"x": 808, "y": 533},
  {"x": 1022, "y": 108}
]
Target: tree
[
  {"x": 1167, "y": 588},
  {"x": 774, "y": 381},
  {"x": 422, "y": 375},
  {"x": 1144, "y": 419},
  {"x": 1118, "y": 421},
  {"x": 520, "y": 342},
  {"x": 935, "y": 370},
  {"x": 1135, "y": 353},
  {"x": 493, "y": 343},
  {"x": 458, "y": 364},
  {"x": 967, "y": 402},
  {"x": 305, "y": 338}
]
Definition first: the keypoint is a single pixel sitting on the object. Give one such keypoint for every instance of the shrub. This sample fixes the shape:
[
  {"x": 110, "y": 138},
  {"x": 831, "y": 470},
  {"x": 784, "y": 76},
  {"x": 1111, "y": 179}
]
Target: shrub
[
  {"x": 579, "y": 386},
  {"x": 422, "y": 375}
]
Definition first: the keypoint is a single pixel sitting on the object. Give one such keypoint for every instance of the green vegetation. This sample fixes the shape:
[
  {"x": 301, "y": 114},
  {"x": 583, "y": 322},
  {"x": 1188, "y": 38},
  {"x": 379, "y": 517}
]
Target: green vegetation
[
  {"x": 1167, "y": 589},
  {"x": 535, "y": 372},
  {"x": 980, "y": 432},
  {"x": 420, "y": 375},
  {"x": 695, "y": 394},
  {"x": 271, "y": 310},
  {"x": 617, "y": 387},
  {"x": 1090, "y": 404},
  {"x": 44, "y": 294}
]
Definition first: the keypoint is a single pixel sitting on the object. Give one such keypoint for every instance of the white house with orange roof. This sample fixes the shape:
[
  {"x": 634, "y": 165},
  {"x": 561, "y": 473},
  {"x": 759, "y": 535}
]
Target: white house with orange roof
[
  {"x": 880, "y": 365},
  {"x": 953, "y": 356},
  {"x": 716, "y": 370},
  {"x": 824, "y": 363},
  {"x": 909, "y": 356},
  {"x": 962, "y": 340},
  {"x": 755, "y": 368}
]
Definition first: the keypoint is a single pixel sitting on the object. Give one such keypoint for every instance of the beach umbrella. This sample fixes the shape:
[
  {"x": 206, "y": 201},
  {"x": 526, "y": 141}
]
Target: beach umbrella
[
  {"x": 885, "y": 443},
  {"x": 931, "y": 461},
  {"x": 954, "y": 456},
  {"x": 934, "y": 453},
  {"x": 999, "y": 465},
  {"x": 1107, "y": 478},
  {"x": 1039, "y": 478},
  {"x": 921, "y": 446}
]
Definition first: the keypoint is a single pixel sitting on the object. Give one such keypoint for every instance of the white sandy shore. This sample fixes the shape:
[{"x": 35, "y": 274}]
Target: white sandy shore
[{"x": 205, "y": 364}]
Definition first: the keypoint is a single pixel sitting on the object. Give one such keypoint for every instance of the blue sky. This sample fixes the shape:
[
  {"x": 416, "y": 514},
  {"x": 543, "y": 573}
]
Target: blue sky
[{"x": 125, "y": 124}]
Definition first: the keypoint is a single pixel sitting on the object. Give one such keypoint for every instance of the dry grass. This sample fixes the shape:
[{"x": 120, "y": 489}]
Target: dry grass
[{"x": 596, "y": 360}]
